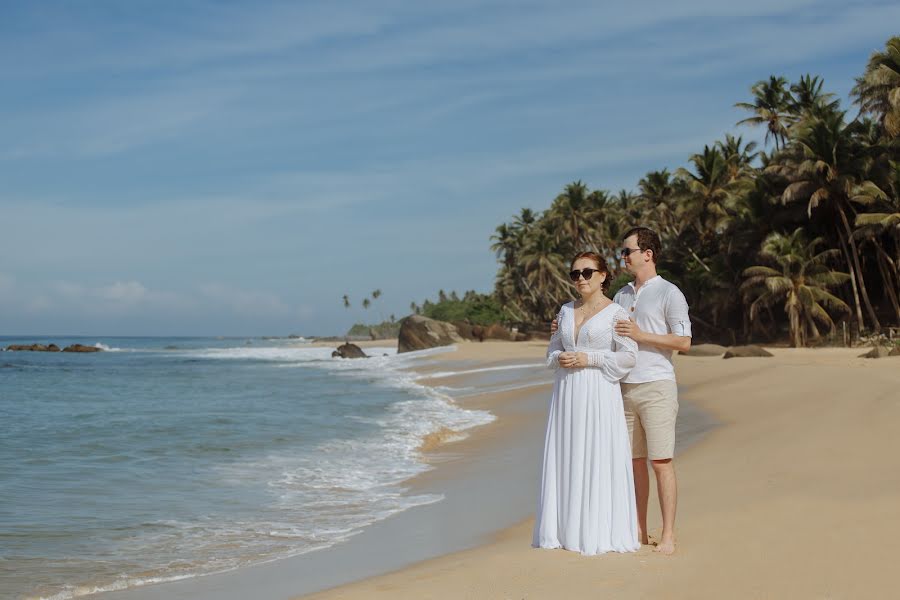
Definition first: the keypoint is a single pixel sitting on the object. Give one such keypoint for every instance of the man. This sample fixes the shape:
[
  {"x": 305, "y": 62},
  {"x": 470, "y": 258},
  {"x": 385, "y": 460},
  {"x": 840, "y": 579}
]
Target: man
[{"x": 660, "y": 325}]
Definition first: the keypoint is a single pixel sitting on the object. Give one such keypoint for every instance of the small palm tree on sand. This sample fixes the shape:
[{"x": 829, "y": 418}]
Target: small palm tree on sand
[{"x": 802, "y": 282}]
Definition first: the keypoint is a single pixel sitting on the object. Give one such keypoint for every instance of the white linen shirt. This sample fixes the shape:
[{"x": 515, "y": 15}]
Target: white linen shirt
[{"x": 657, "y": 307}]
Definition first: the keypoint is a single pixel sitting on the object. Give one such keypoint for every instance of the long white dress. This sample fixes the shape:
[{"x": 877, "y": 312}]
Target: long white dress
[{"x": 586, "y": 502}]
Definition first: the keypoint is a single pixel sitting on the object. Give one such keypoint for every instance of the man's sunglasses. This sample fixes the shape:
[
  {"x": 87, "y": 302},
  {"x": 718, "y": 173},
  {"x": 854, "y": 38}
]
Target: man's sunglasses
[
  {"x": 625, "y": 252},
  {"x": 586, "y": 273}
]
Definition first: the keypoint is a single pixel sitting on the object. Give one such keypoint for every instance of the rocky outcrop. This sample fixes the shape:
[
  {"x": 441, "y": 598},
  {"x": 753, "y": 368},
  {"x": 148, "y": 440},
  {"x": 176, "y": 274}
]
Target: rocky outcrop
[
  {"x": 746, "y": 352},
  {"x": 32, "y": 348},
  {"x": 876, "y": 352},
  {"x": 80, "y": 348},
  {"x": 498, "y": 332},
  {"x": 418, "y": 333},
  {"x": 465, "y": 330},
  {"x": 349, "y": 351},
  {"x": 705, "y": 350}
]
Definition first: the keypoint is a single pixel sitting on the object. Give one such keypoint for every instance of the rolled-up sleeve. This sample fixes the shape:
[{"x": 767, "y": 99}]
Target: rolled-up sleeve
[{"x": 677, "y": 314}]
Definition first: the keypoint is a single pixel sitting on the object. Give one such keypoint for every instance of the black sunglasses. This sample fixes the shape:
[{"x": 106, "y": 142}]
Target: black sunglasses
[
  {"x": 624, "y": 252},
  {"x": 586, "y": 273}
]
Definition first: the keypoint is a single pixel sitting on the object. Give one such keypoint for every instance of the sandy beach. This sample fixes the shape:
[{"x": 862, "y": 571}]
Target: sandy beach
[{"x": 794, "y": 495}]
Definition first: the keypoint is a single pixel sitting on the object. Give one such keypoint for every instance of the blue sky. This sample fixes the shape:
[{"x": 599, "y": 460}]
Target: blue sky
[{"x": 234, "y": 168}]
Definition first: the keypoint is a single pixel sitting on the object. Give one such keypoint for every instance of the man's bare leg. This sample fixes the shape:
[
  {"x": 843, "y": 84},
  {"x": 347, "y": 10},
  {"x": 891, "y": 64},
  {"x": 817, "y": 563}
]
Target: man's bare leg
[
  {"x": 642, "y": 496},
  {"x": 667, "y": 488}
]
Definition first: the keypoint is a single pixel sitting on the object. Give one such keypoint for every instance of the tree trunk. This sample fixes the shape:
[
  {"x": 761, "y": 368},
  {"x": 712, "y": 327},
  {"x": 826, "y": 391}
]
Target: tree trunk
[
  {"x": 856, "y": 303},
  {"x": 859, "y": 273},
  {"x": 888, "y": 277}
]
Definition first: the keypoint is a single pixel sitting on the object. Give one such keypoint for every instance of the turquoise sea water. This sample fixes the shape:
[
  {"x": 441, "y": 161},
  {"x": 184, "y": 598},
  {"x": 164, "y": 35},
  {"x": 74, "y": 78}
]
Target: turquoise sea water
[{"x": 164, "y": 458}]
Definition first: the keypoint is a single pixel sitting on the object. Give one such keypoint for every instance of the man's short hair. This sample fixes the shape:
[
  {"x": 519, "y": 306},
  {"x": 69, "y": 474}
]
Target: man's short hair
[{"x": 647, "y": 239}]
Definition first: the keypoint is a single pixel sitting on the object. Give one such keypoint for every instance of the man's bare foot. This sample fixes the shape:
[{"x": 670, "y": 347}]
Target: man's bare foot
[{"x": 666, "y": 547}]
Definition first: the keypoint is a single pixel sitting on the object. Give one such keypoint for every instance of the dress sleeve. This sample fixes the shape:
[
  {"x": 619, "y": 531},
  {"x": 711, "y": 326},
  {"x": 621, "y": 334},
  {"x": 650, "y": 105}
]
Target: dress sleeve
[
  {"x": 617, "y": 362},
  {"x": 556, "y": 346}
]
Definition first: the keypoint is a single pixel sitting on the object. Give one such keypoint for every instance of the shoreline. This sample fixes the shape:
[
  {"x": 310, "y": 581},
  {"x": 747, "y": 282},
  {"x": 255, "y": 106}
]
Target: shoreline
[
  {"x": 782, "y": 500},
  {"x": 497, "y": 462}
]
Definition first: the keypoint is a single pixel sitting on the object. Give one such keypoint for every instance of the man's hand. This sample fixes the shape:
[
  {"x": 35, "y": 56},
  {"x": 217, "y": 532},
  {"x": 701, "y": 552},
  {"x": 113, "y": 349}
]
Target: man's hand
[
  {"x": 573, "y": 360},
  {"x": 553, "y": 326},
  {"x": 629, "y": 328}
]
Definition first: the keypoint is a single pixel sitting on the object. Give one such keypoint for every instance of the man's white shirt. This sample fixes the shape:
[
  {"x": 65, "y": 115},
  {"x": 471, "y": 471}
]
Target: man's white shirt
[{"x": 658, "y": 307}]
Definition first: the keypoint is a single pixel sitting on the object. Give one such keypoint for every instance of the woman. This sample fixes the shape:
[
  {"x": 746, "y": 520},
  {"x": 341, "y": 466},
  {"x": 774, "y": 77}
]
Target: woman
[{"x": 587, "y": 501}]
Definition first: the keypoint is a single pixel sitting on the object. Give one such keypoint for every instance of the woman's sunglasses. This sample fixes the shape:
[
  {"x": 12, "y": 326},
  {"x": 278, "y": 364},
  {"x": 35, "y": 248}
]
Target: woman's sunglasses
[{"x": 586, "y": 273}]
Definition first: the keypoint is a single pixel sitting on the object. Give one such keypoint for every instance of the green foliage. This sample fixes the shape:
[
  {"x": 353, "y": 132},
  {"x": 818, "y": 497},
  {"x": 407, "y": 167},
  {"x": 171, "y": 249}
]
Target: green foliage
[
  {"x": 381, "y": 331},
  {"x": 828, "y": 179},
  {"x": 477, "y": 309}
]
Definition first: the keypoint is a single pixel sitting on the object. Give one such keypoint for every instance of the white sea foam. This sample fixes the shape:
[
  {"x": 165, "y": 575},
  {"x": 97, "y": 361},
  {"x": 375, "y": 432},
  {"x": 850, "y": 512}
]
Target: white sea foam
[
  {"x": 516, "y": 367},
  {"x": 321, "y": 496}
]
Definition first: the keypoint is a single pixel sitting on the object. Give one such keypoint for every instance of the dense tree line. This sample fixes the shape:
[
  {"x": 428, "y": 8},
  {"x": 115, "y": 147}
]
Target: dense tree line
[{"x": 788, "y": 239}]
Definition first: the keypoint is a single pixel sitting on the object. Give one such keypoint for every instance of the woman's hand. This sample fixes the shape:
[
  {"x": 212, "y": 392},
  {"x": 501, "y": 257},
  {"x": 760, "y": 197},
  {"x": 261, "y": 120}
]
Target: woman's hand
[{"x": 573, "y": 360}]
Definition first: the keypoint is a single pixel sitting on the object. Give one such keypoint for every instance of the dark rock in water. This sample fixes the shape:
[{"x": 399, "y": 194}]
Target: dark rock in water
[
  {"x": 746, "y": 352},
  {"x": 29, "y": 348},
  {"x": 705, "y": 350},
  {"x": 349, "y": 351},
  {"x": 876, "y": 352},
  {"x": 418, "y": 333},
  {"x": 80, "y": 348},
  {"x": 53, "y": 348}
]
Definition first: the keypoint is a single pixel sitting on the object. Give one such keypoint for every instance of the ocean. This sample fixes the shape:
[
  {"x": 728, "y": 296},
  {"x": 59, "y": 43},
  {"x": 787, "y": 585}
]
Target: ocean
[{"x": 166, "y": 458}]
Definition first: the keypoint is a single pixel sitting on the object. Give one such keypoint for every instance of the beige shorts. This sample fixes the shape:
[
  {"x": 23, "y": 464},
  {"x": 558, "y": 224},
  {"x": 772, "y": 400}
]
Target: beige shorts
[{"x": 650, "y": 411}]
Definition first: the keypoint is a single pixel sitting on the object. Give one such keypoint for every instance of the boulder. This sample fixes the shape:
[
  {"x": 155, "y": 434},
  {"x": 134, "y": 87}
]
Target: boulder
[
  {"x": 28, "y": 348},
  {"x": 418, "y": 333},
  {"x": 465, "y": 330},
  {"x": 349, "y": 351},
  {"x": 746, "y": 352},
  {"x": 705, "y": 350},
  {"x": 80, "y": 348},
  {"x": 876, "y": 352},
  {"x": 52, "y": 348},
  {"x": 895, "y": 351},
  {"x": 478, "y": 332},
  {"x": 498, "y": 332}
]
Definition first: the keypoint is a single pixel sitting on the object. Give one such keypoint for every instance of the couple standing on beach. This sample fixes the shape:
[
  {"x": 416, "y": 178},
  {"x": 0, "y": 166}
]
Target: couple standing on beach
[{"x": 613, "y": 407}]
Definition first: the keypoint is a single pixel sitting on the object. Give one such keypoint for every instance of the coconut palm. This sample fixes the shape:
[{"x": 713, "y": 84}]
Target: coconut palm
[
  {"x": 808, "y": 99},
  {"x": 801, "y": 282},
  {"x": 571, "y": 214},
  {"x": 771, "y": 103},
  {"x": 711, "y": 192},
  {"x": 823, "y": 165},
  {"x": 543, "y": 268},
  {"x": 346, "y": 301},
  {"x": 877, "y": 92}
]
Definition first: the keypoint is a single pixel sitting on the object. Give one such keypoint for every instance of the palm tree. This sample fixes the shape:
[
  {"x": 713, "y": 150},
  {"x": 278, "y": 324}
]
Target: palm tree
[
  {"x": 823, "y": 165},
  {"x": 711, "y": 192},
  {"x": 366, "y": 303},
  {"x": 771, "y": 101},
  {"x": 878, "y": 91},
  {"x": 808, "y": 99},
  {"x": 346, "y": 301},
  {"x": 543, "y": 267},
  {"x": 802, "y": 282},
  {"x": 880, "y": 230},
  {"x": 572, "y": 213},
  {"x": 738, "y": 156},
  {"x": 376, "y": 294}
]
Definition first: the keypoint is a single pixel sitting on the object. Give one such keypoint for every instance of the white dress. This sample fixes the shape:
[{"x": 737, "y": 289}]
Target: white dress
[{"x": 586, "y": 502}]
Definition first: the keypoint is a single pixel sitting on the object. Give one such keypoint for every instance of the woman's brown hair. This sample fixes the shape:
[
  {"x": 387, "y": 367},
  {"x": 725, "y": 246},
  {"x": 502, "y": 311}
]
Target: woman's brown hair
[{"x": 602, "y": 267}]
